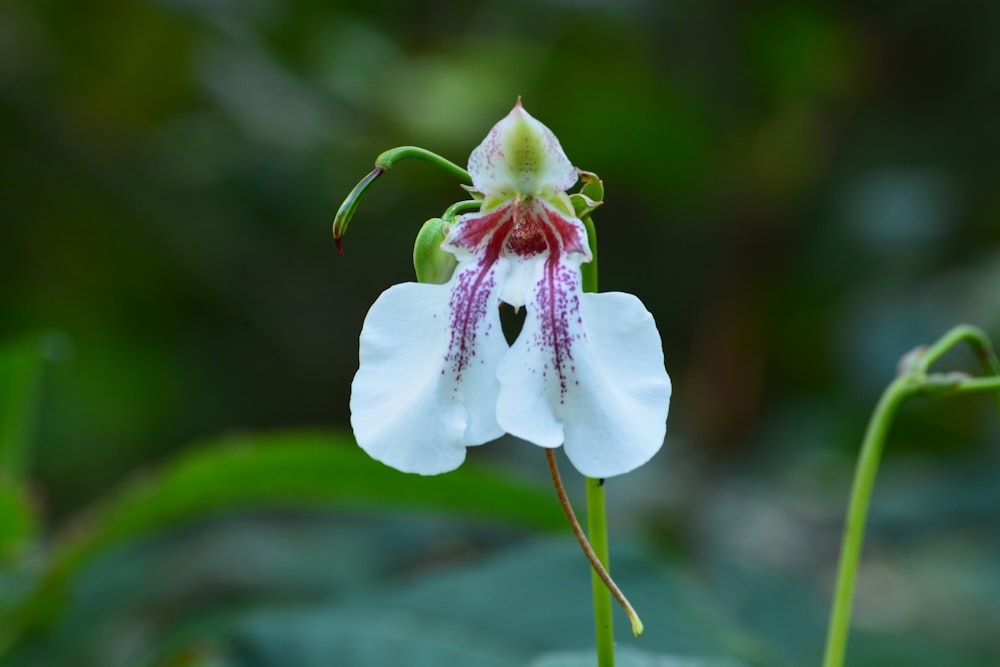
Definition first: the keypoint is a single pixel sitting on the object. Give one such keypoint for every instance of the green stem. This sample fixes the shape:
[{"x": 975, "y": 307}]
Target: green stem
[
  {"x": 977, "y": 340},
  {"x": 857, "y": 511},
  {"x": 604, "y": 586},
  {"x": 977, "y": 384},
  {"x": 597, "y": 517},
  {"x": 913, "y": 380},
  {"x": 389, "y": 158},
  {"x": 974, "y": 336},
  {"x": 384, "y": 163},
  {"x": 597, "y": 528},
  {"x": 597, "y": 520},
  {"x": 460, "y": 207}
]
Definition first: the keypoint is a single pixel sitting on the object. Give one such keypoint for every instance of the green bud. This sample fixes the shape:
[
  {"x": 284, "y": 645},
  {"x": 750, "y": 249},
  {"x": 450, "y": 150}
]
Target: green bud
[
  {"x": 433, "y": 265},
  {"x": 590, "y": 196}
]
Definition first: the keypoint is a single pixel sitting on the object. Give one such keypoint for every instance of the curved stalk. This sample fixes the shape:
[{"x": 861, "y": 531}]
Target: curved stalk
[
  {"x": 913, "y": 380},
  {"x": 857, "y": 512},
  {"x": 384, "y": 163},
  {"x": 597, "y": 555}
]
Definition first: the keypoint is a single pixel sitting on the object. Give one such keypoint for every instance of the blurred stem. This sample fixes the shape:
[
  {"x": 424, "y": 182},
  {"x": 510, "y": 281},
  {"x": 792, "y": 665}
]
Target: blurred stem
[
  {"x": 913, "y": 380},
  {"x": 21, "y": 366}
]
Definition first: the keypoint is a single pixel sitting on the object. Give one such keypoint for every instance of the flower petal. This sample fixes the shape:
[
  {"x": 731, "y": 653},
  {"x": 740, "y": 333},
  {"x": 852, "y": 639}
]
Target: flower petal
[
  {"x": 426, "y": 387},
  {"x": 586, "y": 371},
  {"x": 520, "y": 156}
]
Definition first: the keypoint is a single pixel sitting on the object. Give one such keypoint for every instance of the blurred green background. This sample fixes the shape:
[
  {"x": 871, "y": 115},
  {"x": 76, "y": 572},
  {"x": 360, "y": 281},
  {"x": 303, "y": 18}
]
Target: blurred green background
[{"x": 799, "y": 192}]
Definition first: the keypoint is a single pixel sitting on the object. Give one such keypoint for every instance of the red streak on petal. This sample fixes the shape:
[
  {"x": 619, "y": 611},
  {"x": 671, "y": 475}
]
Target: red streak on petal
[
  {"x": 557, "y": 301},
  {"x": 569, "y": 234},
  {"x": 477, "y": 228},
  {"x": 471, "y": 298}
]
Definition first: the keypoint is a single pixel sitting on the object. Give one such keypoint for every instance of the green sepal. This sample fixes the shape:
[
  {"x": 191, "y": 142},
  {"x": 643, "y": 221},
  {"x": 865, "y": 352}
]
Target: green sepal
[
  {"x": 591, "y": 186},
  {"x": 590, "y": 196},
  {"x": 432, "y": 264}
]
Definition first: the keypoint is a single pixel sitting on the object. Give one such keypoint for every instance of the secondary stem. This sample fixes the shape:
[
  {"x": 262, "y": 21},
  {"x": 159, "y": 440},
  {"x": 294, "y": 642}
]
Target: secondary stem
[
  {"x": 854, "y": 529},
  {"x": 913, "y": 380}
]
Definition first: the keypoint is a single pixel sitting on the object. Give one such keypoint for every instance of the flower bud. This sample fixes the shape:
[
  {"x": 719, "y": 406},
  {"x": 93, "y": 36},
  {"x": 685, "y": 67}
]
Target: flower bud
[{"x": 432, "y": 264}]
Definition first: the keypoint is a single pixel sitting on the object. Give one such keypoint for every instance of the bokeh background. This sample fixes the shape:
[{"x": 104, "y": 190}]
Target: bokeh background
[{"x": 799, "y": 192}]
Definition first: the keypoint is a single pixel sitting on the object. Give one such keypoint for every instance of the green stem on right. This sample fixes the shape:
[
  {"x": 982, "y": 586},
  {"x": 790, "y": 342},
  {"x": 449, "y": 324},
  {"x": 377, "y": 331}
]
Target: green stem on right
[
  {"x": 914, "y": 379},
  {"x": 976, "y": 339},
  {"x": 857, "y": 511}
]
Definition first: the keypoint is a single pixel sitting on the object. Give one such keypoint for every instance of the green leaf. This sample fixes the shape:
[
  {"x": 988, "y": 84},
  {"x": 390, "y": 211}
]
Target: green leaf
[
  {"x": 499, "y": 612},
  {"x": 289, "y": 469}
]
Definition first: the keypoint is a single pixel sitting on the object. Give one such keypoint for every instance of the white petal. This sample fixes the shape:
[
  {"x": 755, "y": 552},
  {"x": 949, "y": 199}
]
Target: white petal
[
  {"x": 520, "y": 156},
  {"x": 587, "y": 372},
  {"x": 522, "y": 274},
  {"x": 617, "y": 418},
  {"x": 426, "y": 387}
]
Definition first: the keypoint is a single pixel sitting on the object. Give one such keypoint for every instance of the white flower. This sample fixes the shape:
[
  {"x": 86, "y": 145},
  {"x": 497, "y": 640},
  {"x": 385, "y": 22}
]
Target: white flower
[{"x": 586, "y": 370}]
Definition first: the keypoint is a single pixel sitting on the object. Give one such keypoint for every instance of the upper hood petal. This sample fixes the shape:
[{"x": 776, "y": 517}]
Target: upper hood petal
[{"x": 520, "y": 156}]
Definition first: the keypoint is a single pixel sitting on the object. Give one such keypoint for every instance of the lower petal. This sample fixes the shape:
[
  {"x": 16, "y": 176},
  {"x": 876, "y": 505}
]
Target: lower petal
[
  {"x": 605, "y": 396},
  {"x": 412, "y": 408}
]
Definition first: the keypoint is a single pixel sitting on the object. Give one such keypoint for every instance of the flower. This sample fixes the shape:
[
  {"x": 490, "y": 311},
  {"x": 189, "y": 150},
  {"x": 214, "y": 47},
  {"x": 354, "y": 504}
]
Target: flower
[{"x": 586, "y": 371}]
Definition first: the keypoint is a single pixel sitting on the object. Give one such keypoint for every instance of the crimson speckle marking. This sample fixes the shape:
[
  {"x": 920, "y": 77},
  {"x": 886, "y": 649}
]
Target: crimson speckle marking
[{"x": 525, "y": 227}]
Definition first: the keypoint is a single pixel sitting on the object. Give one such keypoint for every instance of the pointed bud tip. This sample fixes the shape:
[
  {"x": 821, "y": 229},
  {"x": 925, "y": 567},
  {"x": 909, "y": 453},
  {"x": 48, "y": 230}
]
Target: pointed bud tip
[{"x": 339, "y": 240}]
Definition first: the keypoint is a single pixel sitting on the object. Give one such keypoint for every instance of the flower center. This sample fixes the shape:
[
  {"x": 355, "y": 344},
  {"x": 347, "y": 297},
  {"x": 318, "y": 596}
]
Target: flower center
[{"x": 526, "y": 237}]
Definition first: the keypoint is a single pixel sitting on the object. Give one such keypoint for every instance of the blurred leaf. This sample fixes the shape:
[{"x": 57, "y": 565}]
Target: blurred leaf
[
  {"x": 500, "y": 612},
  {"x": 292, "y": 469},
  {"x": 625, "y": 657}
]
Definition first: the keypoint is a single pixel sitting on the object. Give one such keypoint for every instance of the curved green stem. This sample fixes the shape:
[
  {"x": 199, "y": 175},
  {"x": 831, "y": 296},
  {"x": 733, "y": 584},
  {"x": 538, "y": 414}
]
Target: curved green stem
[
  {"x": 857, "y": 512},
  {"x": 388, "y": 159},
  {"x": 977, "y": 340},
  {"x": 460, "y": 207},
  {"x": 596, "y": 554},
  {"x": 383, "y": 163},
  {"x": 913, "y": 380}
]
